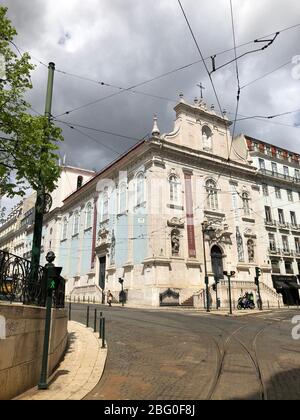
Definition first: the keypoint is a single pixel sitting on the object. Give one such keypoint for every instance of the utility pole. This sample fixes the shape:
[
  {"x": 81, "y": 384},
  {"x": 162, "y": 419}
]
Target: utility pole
[
  {"x": 52, "y": 275},
  {"x": 40, "y": 198},
  {"x": 205, "y": 269},
  {"x": 257, "y": 276},
  {"x": 229, "y": 274}
]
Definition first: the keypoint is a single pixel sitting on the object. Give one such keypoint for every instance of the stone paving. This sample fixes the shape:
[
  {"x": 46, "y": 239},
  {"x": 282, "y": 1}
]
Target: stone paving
[
  {"x": 79, "y": 372},
  {"x": 164, "y": 355}
]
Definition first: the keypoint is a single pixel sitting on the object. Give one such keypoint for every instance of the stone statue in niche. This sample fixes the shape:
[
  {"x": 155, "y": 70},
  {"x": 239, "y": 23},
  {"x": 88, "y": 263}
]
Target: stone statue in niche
[
  {"x": 175, "y": 240},
  {"x": 240, "y": 246}
]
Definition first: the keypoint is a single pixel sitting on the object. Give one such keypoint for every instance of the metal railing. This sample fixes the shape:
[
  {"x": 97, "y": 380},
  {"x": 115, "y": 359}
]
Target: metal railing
[
  {"x": 277, "y": 175},
  {"x": 16, "y": 284}
]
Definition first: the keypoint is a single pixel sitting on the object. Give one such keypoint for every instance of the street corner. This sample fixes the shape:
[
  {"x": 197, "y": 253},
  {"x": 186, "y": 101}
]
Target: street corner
[{"x": 79, "y": 372}]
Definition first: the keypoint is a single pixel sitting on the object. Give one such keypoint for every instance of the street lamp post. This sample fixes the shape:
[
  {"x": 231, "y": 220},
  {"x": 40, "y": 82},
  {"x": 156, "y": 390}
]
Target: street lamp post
[
  {"x": 229, "y": 274},
  {"x": 204, "y": 230}
]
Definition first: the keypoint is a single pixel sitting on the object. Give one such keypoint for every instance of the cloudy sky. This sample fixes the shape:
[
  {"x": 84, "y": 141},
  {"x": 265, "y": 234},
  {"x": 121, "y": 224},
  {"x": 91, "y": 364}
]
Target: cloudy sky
[{"x": 127, "y": 42}]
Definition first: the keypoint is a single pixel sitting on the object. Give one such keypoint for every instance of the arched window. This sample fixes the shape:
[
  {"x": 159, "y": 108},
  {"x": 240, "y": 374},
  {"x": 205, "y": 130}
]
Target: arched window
[
  {"x": 105, "y": 214},
  {"x": 122, "y": 198},
  {"x": 64, "y": 228},
  {"x": 76, "y": 223},
  {"x": 212, "y": 194},
  {"x": 174, "y": 189},
  {"x": 251, "y": 253},
  {"x": 207, "y": 138},
  {"x": 140, "y": 189},
  {"x": 246, "y": 203},
  {"x": 88, "y": 215}
]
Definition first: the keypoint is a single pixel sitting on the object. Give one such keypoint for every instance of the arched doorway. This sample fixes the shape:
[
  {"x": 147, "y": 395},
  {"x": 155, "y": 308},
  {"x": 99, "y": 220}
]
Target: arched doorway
[{"x": 217, "y": 261}]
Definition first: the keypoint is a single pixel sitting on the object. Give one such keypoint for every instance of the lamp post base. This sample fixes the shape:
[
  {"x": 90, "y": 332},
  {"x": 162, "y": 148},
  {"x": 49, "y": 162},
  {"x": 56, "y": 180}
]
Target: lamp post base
[{"x": 43, "y": 386}]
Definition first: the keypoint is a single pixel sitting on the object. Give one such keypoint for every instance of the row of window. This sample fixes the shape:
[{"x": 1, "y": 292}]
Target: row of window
[
  {"x": 278, "y": 193},
  {"x": 287, "y": 264},
  {"x": 76, "y": 221},
  {"x": 281, "y": 216},
  {"x": 285, "y": 243},
  {"x": 175, "y": 198},
  {"x": 274, "y": 166}
]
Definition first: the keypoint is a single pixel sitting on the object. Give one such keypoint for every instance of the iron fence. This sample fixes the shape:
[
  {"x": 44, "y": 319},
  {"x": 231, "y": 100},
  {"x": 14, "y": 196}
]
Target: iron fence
[{"x": 17, "y": 284}]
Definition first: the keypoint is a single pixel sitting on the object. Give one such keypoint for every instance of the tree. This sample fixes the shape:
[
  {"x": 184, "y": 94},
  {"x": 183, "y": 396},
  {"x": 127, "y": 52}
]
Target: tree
[{"x": 28, "y": 144}]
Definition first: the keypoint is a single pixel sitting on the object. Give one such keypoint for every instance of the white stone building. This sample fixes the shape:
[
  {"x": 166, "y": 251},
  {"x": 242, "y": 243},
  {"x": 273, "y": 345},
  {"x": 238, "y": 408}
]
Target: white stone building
[
  {"x": 278, "y": 171},
  {"x": 16, "y": 232},
  {"x": 142, "y": 218}
]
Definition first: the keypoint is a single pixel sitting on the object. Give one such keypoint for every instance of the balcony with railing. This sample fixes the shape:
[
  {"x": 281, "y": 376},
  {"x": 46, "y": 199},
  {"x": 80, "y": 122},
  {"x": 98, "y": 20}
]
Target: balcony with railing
[
  {"x": 283, "y": 177},
  {"x": 273, "y": 250},
  {"x": 270, "y": 223},
  {"x": 18, "y": 284},
  {"x": 287, "y": 252},
  {"x": 283, "y": 225}
]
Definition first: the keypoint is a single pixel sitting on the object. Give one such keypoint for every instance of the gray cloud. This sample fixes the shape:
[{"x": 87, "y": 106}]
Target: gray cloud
[{"x": 124, "y": 42}]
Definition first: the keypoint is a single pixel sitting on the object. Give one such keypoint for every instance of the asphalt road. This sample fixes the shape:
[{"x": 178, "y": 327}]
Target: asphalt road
[{"x": 185, "y": 355}]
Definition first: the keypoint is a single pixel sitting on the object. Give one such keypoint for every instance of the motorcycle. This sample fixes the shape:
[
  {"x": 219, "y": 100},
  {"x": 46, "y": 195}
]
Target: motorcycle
[{"x": 244, "y": 303}]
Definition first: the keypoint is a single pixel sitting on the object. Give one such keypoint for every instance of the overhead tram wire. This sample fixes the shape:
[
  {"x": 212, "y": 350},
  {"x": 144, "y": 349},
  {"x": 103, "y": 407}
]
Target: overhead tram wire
[
  {"x": 213, "y": 86},
  {"x": 154, "y": 78},
  {"x": 93, "y": 139},
  {"x": 152, "y": 95},
  {"x": 269, "y": 117},
  {"x": 176, "y": 69},
  {"x": 238, "y": 79},
  {"x": 266, "y": 74},
  {"x": 98, "y": 130},
  {"x": 202, "y": 57}
]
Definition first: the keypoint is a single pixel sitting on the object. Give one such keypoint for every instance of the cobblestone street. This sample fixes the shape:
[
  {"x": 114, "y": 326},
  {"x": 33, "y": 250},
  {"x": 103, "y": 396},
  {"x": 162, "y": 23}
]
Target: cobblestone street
[{"x": 185, "y": 355}]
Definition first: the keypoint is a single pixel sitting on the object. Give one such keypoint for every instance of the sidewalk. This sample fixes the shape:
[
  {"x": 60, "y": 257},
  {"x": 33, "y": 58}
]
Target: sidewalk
[
  {"x": 79, "y": 372},
  {"x": 220, "y": 312}
]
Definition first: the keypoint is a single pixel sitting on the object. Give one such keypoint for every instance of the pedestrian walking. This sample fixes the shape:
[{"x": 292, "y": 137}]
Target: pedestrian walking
[{"x": 109, "y": 298}]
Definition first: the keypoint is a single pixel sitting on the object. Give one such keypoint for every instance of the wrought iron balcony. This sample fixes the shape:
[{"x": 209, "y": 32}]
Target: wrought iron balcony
[
  {"x": 274, "y": 251},
  {"x": 280, "y": 176},
  {"x": 283, "y": 225},
  {"x": 287, "y": 253},
  {"x": 269, "y": 222},
  {"x": 16, "y": 284}
]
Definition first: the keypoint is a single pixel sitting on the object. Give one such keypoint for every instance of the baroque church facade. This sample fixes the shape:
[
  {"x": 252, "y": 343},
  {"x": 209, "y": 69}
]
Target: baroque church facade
[
  {"x": 146, "y": 219},
  {"x": 174, "y": 210}
]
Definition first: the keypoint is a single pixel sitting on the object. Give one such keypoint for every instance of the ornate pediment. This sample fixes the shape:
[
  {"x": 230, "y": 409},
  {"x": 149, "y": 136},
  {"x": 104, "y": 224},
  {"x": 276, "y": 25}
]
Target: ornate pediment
[
  {"x": 103, "y": 237},
  {"x": 175, "y": 222},
  {"x": 217, "y": 230},
  {"x": 250, "y": 234}
]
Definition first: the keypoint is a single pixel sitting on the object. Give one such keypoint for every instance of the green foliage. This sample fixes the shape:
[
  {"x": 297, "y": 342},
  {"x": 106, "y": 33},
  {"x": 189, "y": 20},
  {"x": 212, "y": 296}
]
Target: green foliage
[{"x": 27, "y": 143}]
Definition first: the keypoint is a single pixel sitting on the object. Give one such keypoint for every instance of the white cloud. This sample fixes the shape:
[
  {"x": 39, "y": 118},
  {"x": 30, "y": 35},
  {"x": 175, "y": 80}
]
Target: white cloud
[{"x": 124, "y": 42}]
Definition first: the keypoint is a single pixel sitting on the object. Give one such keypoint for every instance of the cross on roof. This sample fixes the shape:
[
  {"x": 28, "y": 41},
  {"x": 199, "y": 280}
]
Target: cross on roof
[{"x": 201, "y": 89}]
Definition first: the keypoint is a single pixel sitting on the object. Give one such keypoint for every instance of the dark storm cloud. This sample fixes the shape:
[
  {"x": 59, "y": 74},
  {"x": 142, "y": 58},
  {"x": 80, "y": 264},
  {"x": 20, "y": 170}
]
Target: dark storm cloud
[{"x": 124, "y": 42}]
